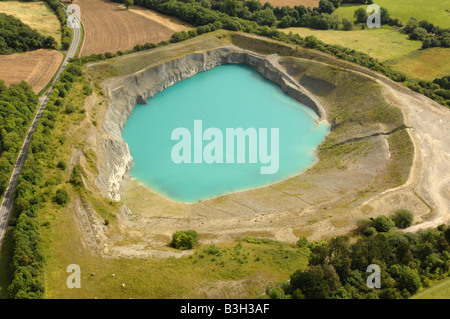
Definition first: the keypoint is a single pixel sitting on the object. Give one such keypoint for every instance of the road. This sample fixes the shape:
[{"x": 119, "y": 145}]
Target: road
[{"x": 8, "y": 201}]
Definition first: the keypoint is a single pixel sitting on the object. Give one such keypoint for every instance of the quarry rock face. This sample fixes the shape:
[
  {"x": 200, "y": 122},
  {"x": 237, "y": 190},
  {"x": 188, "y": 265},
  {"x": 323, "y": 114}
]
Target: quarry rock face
[{"x": 124, "y": 92}]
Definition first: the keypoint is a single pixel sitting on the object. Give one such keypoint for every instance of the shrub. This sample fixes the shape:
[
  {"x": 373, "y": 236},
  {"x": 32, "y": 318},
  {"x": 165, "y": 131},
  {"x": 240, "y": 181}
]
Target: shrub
[
  {"x": 302, "y": 242},
  {"x": 363, "y": 225},
  {"x": 61, "y": 197},
  {"x": 403, "y": 218},
  {"x": 347, "y": 24},
  {"x": 184, "y": 239},
  {"x": 61, "y": 164},
  {"x": 311, "y": 41},
  {"x": 212, "y": 250},
  {"x": 383, "y": 224},
  {"x": 76, "y": 178}
]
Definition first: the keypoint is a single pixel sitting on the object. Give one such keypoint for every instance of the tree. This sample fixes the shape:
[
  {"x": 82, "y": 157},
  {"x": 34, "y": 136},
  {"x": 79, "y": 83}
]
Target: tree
[
  {"x": 265, "y": 17},
  {"x": 360, "y": 15},
  {"x": 347, "y": 24},
  {"x": 61, "y": 165},
  {"x": 383, "y": 224},
  {"x": 61, "y": 197},
  {"x": 418, "y": 34},
  {"x": 312, "y": 283},
  {"x": 411, "y": 25},
  {"x": 319, "y": 255},
  {"x": 326, "y": 6},
  {"x": 184, "y": 239},
  {"x": 384, "y": 15},
  {"x": 311, "y": 41},
  {"x": 128, "y": 3},
  {"x": 406, "y": 278},
  {"x": 403, "y": 218}
]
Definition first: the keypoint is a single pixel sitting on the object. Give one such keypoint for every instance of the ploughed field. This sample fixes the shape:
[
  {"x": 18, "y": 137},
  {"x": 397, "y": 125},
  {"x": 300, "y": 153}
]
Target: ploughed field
[
  {"x": 35, "y": 67},
  {"x": 109, "y": 27}
]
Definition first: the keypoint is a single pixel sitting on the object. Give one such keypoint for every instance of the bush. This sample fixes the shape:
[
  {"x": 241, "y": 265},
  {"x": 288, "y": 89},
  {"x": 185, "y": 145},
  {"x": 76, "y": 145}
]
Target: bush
[
  {"x": 70, "y": 108},
  {"x": 347, "y": 24},
  {"x": 403, "y": 218},
  {"x": 363, "y": 225},
  {"x": 184, "y": 239},
  {"x": 311, "y": 41},
  {"x": 61, "y": 197},
  {"x": 61, "y": 164},
  {"x": 383, "y": 224},
  {"x": 76, "y": 178}
]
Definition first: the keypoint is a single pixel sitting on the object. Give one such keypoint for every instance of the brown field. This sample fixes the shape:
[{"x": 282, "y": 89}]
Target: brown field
[
  {"x": 109, "y": 27},
  {"x": 292, "y": 3},
  {"x": 35, "y": 67}
]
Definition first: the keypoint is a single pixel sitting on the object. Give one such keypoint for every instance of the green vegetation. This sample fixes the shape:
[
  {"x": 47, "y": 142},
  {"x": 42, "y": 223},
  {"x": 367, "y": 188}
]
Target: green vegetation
[
  {"x": 425, "y": 65},
  {"x": 28, "y": 260},
  {"x": 383, "y": 224},
  {"x": 383, "y": 44},
  {"x": 436, "y": 12},
  {"x": 403, "y": 218},
  {"x": 66, "y": 33},
  {"x": 337, "y": 269},
  {"x": 128, "y": 3},
  {"x": 438, "y": 90},
  {"x": 17, "y": 106},
  {"x": 37, "y": 14},
  {"x": 18, "y": 37},
  {"x": 439, "y": 290},
  {"x": 61, "y": 197},
  {"x": 184, "y": 239}
]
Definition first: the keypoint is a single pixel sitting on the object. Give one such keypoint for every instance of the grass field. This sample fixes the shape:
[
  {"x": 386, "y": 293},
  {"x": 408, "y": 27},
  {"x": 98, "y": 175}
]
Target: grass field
[
  {"x": 35, "y": 67},
  {"x": 235, "y": 271},
  {"x": 425, "y": 64},
  {"x": 383, "y": 44},
  {"x": 441, "y": 290},
  {"x": 37, "y": 15},
  {"x": 292, "y": 3},
  {"x": 433, "y": 11},
  {"x": 109, "y": 27}
]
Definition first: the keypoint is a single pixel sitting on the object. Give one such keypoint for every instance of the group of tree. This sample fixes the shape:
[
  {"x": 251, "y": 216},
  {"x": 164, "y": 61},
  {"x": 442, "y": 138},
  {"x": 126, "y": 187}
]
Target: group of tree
[
  {"x": 438, "y": 89},
  {"x": 235, "y": 14},
  {"x": 337, "y": 269},
  {"x": 15, "y": 36},
  {"x": 17, "y": 106},
  {"x": 27, "y": 257},
  {"x": 428, "y": 33}
]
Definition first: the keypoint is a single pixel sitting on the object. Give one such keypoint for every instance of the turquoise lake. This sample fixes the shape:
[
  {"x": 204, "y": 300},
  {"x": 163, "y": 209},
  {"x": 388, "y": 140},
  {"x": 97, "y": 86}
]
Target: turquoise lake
[{"x": 225, "y": 97}]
